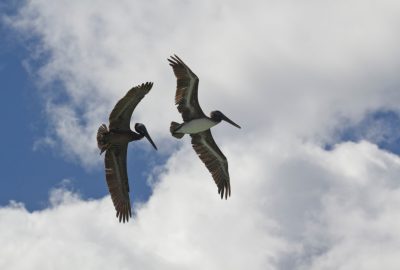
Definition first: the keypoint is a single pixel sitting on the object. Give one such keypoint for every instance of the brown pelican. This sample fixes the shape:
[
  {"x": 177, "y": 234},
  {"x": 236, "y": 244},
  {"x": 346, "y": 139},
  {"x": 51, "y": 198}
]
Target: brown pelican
[
  {"x": 198, "y": 125},
  {"x": 115, "y": 143}
]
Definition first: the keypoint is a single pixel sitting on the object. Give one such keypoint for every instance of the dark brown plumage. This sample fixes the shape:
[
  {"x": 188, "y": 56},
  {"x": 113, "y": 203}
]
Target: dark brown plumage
[
  {"x": 120, "y": 117},
  {"x": 186, "y": 90},
  {"x": 215, "y": 161},
  {"x": 115, "y": 143},
  {"x": 197, "y": 124}
]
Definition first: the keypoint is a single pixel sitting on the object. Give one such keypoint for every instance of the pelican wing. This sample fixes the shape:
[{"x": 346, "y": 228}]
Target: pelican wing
[
  {"x": 186, "y": 90},
  {"x": 120, "y": 116},
  {"x": 215, "y": 161},
  {"x": 117, "y": 180}
]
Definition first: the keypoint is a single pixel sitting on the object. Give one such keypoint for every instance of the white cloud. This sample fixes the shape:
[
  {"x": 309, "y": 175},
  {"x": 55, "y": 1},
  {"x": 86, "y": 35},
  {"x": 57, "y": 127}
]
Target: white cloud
[
  {"x": 285, "y": 67},
  {"x": 289, "y": 72},
  {"x": 308, "y": 209}
]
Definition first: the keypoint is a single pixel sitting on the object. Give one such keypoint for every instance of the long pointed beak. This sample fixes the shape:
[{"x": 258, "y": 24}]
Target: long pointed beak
[
  {"x": 230, "y": 121},
  {"x": 150, "y": 140}
]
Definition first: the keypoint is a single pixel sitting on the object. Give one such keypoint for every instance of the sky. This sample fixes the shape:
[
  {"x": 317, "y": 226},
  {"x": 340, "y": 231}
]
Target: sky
[{"x": 315, "y": 169}]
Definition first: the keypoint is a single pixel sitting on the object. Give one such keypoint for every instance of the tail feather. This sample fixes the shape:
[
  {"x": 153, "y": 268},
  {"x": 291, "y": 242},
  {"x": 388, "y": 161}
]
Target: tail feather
[
  {"x": 101, "y": 133},
  {"x": 174, "y": 126}
]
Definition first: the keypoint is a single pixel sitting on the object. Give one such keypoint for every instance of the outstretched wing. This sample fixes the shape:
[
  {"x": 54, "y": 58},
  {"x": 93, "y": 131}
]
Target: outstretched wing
[
  {"x": 120, "y": 116},
  {"x": 215, "y": 161},
  {"x": 186, "y": 90},
  {"x": 117, "y": 180}
]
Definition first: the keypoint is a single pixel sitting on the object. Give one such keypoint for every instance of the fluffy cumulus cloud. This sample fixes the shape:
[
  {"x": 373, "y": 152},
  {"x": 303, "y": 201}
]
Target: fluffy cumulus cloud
[
  {"x": 275, "y": 66},
  {"x": 293, "y": 207},
  {"x": 291, "y": 73}
]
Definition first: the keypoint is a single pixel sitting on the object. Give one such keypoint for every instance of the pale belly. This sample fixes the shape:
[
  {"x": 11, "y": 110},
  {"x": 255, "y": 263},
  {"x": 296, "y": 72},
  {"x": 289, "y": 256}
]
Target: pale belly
[{"x": 196, "y": 126}]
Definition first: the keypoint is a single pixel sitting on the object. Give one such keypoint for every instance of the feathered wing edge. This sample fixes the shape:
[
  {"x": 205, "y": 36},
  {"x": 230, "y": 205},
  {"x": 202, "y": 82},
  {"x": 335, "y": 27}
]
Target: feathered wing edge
[
  {"x": 117, "y": 180},
  {"x": 101, "y": 138},
  {"x": 186, "y": 96},
  {"x": 120, "y": 116},
  {"x": 215, "y": 161}
]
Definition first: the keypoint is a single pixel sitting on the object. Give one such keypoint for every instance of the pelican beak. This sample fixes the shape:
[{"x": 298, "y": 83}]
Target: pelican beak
[
  {"x": 230, "y": 121},
  {"x": 141, "y": 129},
  {"x": 150, "y": 140}
]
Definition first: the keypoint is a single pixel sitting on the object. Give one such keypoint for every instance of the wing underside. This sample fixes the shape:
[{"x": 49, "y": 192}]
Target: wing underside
[
  {"x": 215, "y": 161},
  {"x": 186, "y": 96},
  {"x": 120, "y": 116},
  {"x": 117, "y": 180}
]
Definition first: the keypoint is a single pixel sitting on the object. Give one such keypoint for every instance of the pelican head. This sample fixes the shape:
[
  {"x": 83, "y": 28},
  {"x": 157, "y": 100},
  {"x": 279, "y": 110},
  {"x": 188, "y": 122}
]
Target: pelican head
[
  {"x": 141, "y": 129},
  {"x": 219, "y": 116}
]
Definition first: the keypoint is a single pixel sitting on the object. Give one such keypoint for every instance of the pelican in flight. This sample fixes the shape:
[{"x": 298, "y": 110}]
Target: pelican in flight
[
  {"x": 198, "y": 125},
  {"x": 115, "y": 142}
]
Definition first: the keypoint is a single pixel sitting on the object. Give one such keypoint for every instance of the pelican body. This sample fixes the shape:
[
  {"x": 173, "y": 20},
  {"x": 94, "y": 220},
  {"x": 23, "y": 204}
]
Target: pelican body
[
  {"x": 198, "y": 125},
  {"x": 106, "y": 137},
  {"x": 114, "y": 141},
  {"x": 201, "y": 124}
]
